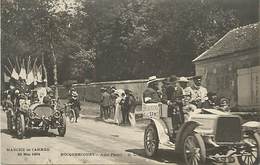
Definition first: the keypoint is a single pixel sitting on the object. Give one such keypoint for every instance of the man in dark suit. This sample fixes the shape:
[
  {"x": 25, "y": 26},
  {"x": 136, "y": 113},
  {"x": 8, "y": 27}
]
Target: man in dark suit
[
  {"x": 105, "y": 102},
  {"x": 173, "y": 98},
  {"x": 130, "y": 105}
]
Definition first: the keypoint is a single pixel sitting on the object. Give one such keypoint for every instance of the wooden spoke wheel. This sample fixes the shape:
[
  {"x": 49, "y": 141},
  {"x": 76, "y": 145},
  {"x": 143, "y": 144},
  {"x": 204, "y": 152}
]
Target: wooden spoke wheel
[{"x": 151, "y": 141}]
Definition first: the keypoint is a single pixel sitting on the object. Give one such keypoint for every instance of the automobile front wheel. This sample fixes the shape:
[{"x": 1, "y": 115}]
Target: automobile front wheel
[
  {"x": 62, "y": 127},
  {"x": 194, "y": 150},
  {"x": 251, "y": 156},
  {"x": 151, "y": 141},
  {"x": 20, "y": 126}
]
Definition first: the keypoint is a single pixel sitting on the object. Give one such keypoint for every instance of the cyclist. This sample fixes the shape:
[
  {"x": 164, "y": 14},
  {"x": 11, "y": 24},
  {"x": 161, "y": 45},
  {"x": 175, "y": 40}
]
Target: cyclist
[{"x": 75, "y": 104}]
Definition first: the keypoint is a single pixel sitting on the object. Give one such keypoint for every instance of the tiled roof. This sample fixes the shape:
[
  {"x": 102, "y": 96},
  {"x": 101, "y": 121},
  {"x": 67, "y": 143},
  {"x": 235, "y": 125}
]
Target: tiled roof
[{"x": 239, "y": 39}]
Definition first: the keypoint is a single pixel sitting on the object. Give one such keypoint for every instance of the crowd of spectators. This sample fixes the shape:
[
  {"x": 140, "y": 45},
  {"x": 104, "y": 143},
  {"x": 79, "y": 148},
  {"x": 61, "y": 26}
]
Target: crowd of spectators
[{"x": 118, "y": 105}]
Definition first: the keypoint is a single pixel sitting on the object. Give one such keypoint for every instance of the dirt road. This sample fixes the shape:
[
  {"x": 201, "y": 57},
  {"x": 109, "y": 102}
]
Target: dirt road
[{"x": 87, "y": 142}]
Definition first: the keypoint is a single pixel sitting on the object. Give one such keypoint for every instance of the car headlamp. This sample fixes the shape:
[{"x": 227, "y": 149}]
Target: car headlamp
[{"x": 57, "y": 114}]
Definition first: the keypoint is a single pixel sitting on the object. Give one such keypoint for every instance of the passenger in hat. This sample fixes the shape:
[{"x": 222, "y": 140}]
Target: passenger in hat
[
  {"x": 34, "y": 97},
  {"x": 165, "y": 84},
  {"x": 41, "y": 92},
  {"x": 211, "y": 102},
  {"x": 173, "y": 91},
  {"x": 183, "y": 83},
  {"x": 151, "y": 95},
  {"x": 224, "y": 104},
  {"x": 199, "y": 93},
  {"x": 173, "y": 98}
]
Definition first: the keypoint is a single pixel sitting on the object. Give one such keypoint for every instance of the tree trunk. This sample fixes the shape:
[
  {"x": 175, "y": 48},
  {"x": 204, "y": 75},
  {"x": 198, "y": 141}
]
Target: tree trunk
[{"x": 55, "y": 78}]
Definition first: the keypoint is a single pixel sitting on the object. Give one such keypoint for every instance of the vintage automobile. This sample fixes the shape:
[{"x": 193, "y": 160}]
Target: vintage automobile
[
  {"x": 209, "y": 135},
  {"x": 38, "y": 116}
]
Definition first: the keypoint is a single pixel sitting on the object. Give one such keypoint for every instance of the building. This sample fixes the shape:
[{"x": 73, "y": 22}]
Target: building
[{"x": 231, "y": 67}]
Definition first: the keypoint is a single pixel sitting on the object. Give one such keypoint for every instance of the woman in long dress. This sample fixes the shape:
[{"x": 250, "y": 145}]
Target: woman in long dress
[{"x": 118, "y": 111}]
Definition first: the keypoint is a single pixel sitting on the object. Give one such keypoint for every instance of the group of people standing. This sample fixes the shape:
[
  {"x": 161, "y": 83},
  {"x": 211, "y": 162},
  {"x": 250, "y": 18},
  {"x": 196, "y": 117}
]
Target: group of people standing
[{"x": 118, "y": 105}]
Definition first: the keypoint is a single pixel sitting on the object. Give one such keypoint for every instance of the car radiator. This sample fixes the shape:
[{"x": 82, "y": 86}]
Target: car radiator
[
  {"x": 45, "y": 111},
  {"x": 228, "y": 129}
]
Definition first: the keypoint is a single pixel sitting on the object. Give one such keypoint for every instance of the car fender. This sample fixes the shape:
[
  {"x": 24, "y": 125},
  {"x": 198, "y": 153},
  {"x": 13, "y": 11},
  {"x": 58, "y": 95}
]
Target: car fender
[
  {"x": 161, "y": 130},
  {"x": 186, "y": 128},
  {"x": 252, "y": 126}
]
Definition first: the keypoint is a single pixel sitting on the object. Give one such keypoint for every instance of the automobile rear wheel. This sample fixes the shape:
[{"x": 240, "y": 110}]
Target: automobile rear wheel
[
  {"x": 62, "y": 127},
  {"x": 46, "y": 129},
  {"x": 252, "y": 153},
  {"x": 151, "y": 141},
  {"x": 20, "y": 126},
  {"x": 194, "y": 150},
  {"x": 9, "y": 120}
]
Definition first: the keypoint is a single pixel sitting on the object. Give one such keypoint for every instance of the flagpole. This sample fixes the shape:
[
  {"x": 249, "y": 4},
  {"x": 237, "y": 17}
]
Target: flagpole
[
  {"x": 8, "y": 69},
  {"x": 35, "y": 62},
  {"x": 18, "y": 66},
  {"x": 28, "y": 64},
  {"x": 10, "y": 63}
]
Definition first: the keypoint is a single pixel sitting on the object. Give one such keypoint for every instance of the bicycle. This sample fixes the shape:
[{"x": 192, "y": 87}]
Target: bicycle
[{"x": 70, "y": 112}]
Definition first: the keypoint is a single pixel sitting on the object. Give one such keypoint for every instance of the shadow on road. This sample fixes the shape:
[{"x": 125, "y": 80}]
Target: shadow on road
[
  {"x": 39, "y": 133},
  {"x": 163, "y": 155},
  {"x": 30, "y": 134},
  {"x": 6, "y": 131}
]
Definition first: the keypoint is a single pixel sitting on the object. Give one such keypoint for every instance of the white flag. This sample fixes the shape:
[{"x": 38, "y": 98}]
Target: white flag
[
  {"x": 6, "y": 78},
  {"x": 30, "y": 78},
  {"x": 39, "y": 74},
  {"x": 22, "y": 73},
  {"x": 15, "y": 74}
]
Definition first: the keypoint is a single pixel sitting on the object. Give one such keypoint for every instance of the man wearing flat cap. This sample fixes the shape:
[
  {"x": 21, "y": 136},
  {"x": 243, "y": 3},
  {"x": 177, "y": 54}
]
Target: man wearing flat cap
[
  {"x": 199, "y": 93},
  {"x": 150, "y": 95}
]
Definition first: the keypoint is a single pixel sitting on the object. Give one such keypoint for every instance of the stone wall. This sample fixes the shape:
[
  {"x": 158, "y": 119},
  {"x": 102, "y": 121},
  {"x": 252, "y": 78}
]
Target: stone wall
[{"x": 91, "y": 92}]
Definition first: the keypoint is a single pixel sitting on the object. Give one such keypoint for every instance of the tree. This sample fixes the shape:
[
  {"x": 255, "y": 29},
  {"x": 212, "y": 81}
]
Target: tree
[
  {"x": 39, "y": 28},
  {"x": 118, "y": 39}
]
